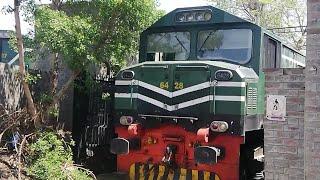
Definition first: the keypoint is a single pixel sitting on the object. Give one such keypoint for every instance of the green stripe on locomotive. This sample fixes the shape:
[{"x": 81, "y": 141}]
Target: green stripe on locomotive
[
  {"x": 126, "y": 104},
  {"x": 231, "y": 91}
]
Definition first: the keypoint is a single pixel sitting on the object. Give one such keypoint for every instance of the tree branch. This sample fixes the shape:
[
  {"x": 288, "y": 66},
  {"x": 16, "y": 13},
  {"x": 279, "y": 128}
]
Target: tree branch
[
  {"x": 20, "y": 153},
  {"x": 245, "y": 10},
  {"x": 58, "y": 96}
]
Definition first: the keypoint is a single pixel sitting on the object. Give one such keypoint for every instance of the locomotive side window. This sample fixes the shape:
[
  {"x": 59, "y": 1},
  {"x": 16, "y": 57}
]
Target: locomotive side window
[
  {"x": 291, "y": 59},
  {"x": 288, "y": 57},
  {"x": 233, "y": 45},
  {"x": 168, "y": 46},
  {"x": 271, "y": 53}
]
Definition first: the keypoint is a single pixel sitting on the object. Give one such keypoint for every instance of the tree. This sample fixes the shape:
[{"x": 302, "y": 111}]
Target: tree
[
  {"x": 82, "y": 33},
  {"x": 30, "y": 104},
  {"x": 89, "y": 32},
  {"x": 78, "y": 33},
  {"x": 271, "y": 14}
]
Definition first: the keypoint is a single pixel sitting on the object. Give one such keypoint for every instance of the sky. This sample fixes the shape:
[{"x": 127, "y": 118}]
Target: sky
[{"x": 7, "y": 20}]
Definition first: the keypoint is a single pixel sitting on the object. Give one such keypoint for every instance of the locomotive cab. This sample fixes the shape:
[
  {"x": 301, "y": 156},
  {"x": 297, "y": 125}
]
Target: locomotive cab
[{"x": 192, "y": 107}]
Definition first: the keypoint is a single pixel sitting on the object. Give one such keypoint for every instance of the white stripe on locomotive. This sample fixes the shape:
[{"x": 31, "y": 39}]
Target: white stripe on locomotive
[
  {"x": 182, "y": 91},
  {"x": 180, "y": 105}
]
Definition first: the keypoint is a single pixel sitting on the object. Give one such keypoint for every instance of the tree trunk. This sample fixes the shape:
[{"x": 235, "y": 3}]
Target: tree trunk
[
  {"x": 60, "y": 94},
  {"x": 30, "y": 104}
]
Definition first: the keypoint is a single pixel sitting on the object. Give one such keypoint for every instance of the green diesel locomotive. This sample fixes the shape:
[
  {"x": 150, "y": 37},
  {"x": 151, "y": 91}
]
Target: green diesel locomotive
[{"x": 192, "y": 108}]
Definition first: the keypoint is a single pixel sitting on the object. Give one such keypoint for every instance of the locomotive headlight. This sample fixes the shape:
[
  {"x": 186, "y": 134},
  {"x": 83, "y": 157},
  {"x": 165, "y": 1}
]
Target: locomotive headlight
[
  {"x": 219, "y": 126},
  {"x": 126, "y": 120},
  {"x": 196, "y": 15},
  {"x": 181, "y": 17},
  {"x": 199, "y": 16},
  {"x": 128, "y": 75},
  {"x": 190, "y": 17},
  {"x": 207, "y": 16},
  {"x": 223, "y": 75},
  {"x": 223, "y": 127}
]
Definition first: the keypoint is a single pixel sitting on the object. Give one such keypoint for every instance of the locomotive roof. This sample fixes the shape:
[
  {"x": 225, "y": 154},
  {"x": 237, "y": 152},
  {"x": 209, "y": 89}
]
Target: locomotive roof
[{"x": 218, "y": 16}]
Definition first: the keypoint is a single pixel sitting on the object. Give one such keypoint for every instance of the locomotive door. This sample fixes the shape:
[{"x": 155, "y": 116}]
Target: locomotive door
[{"x": 191, "y": 94}]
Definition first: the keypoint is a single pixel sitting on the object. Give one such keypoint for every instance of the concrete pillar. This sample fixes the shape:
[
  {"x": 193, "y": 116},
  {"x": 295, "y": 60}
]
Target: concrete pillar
[{"x": 312, "y": 94}]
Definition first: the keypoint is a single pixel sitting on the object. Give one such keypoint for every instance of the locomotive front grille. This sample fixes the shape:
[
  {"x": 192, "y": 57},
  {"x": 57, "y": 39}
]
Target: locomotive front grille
[{"x": 252, "y": 98}]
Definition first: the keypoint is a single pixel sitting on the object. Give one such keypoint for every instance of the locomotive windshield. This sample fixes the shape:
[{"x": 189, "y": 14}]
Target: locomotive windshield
[
  {"x": 168, "y": 46},
  {"x": 231, "y": 45}
]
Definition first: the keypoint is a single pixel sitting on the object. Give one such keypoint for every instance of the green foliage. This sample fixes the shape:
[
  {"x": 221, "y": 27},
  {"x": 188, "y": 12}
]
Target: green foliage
[
  {"x": 29, "y": 46},
  {"x": 83, "y": 33},
  {"x": 87, "y": 32},
  {"x": 45, "y": 98},
  {"x": 69, "y": 36},
  {"x": 54, "y": 111},
  {"x": 50, "y": 158},
  {"x": 32, "y": 79}
]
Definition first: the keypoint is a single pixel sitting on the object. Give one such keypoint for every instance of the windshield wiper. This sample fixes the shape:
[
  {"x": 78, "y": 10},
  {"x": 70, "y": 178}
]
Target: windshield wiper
[
  {"x": 204, "y": 42},
  {"x": 162, "y": 36},
  {"x": 181, "y": 43}
]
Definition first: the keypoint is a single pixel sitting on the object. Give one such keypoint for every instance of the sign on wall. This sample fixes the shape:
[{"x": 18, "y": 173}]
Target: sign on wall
[{"x": 276, "y": 108}]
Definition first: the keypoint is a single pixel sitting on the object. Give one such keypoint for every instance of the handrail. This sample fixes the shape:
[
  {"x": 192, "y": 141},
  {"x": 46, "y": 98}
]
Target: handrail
[
  {"x": 181, "y": 66},
  {"x": 164, "y": 66}
]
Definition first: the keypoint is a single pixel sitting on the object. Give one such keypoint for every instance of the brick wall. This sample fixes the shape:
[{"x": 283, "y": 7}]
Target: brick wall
[{"x": 284, "y": 152}]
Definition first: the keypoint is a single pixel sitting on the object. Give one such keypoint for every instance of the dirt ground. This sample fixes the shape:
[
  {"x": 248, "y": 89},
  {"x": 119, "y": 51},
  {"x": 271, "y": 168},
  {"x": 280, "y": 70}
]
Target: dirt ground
[{"x": 8, "y": 170}]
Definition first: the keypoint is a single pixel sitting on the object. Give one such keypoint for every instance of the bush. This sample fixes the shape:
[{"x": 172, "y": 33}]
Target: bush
[{"x": 50, "y": 157}]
